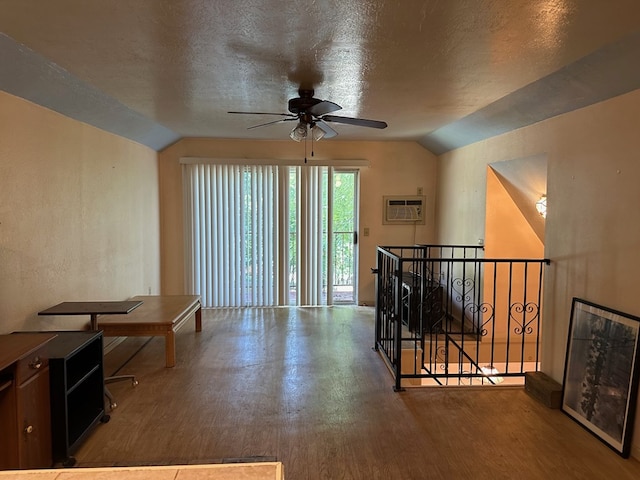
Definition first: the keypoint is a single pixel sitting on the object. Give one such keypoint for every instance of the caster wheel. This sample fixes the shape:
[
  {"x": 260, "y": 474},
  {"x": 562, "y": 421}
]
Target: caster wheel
[
  {"x": 113, "y": 405},
  {"x": 105, "y": 419},
  {"x": 134, "y": 382},
  {"x": 69, "y": 462}
]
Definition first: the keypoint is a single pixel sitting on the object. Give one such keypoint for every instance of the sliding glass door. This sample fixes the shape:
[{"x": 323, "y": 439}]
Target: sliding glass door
[
  {"x": 270, "y": 235},
  {"x": 344, "y": 220}
]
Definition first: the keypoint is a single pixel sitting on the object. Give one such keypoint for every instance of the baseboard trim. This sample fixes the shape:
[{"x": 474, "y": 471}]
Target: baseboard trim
[
  {"x": 635, "y": 451},
  {"x": 113, "y": 343}
]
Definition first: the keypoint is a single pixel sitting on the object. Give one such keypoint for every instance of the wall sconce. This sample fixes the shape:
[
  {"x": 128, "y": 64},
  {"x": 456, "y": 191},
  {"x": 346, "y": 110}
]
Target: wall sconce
[{"x": 541, "y": 206}]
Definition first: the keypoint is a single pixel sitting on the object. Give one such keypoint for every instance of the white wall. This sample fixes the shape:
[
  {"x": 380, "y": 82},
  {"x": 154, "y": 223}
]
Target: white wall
[
  {"x": 78, "y": 216},
  {"x": 592, "y": 233}
]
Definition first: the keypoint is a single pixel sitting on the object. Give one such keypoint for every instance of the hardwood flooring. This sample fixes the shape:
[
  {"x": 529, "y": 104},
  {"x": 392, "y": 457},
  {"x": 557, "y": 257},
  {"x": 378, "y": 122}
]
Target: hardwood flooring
[{"x": 304, "y": 387}]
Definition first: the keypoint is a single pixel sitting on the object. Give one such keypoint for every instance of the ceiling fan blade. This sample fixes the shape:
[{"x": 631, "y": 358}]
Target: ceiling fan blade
[
  {"x": 328, "y": 131},
  {"x": 265, "y": 113},
  {"x": 360, "y": 122},
  {"x": 323, "y": 107},
  {"x": 271, "y": 123}
]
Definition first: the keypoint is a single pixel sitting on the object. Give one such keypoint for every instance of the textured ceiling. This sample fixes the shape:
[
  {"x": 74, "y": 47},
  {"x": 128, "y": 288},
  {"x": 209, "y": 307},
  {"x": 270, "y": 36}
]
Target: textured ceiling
[{"x": 441, "y": 72}]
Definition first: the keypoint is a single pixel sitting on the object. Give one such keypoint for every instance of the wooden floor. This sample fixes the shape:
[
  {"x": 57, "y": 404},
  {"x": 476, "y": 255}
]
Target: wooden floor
[{"x": 304, "y": 387}]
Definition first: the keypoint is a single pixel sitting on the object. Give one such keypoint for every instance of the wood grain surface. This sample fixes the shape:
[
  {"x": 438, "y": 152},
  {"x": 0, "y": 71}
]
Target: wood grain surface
[{"x": 303, "y": 386}]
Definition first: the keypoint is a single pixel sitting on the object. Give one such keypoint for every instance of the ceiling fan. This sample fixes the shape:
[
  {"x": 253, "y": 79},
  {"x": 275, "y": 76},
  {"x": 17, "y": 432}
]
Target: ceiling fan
[{"x": 312, "y": 116}]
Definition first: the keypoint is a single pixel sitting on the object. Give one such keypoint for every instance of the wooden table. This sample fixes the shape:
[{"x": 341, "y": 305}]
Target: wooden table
[
  {"x": 221, "y": 471},
  {"x": 159, "y": 315}
]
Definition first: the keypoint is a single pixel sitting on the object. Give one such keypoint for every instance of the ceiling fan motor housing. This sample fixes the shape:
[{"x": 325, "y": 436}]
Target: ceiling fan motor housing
[{"x": 304, "y": 102}]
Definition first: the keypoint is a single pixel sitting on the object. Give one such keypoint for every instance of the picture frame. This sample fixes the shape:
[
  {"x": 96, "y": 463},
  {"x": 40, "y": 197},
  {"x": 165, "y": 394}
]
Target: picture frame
[{"x": 600, "y": 387}]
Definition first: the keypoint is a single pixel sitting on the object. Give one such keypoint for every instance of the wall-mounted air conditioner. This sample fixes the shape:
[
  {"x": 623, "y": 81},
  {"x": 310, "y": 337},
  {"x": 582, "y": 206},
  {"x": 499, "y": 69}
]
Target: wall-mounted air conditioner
[{"x": 403, "y": 210}]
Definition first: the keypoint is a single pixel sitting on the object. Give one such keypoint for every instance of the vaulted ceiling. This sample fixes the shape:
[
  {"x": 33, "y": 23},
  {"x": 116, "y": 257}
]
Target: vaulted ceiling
[{"x": 444, "y": 73}]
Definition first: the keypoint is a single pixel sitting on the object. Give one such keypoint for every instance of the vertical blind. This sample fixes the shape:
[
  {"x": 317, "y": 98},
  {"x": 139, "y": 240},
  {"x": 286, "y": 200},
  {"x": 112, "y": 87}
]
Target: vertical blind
[
  {"x": 231, "y": 234},
  {"x": 236, "y": 221},
  {"x": 312, "y": 235}
]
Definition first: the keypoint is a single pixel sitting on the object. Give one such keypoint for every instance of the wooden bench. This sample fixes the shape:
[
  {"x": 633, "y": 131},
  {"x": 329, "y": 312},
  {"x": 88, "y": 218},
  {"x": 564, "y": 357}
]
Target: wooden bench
[{"x": 159, "y": 315}]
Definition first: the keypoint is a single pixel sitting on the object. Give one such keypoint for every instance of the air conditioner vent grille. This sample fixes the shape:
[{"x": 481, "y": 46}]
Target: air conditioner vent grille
[{"x": 403, "y": 210}]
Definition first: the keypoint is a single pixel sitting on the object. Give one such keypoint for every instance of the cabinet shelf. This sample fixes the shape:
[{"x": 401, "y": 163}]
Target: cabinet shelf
[
  {"x": 85, "y": 405},
  {"x": 81, "y": 380}
]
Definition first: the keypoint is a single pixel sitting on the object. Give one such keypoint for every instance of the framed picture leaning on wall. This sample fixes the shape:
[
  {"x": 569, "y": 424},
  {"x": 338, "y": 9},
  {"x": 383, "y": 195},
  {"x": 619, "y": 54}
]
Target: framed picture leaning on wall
[{"x": 601, "y": 372}]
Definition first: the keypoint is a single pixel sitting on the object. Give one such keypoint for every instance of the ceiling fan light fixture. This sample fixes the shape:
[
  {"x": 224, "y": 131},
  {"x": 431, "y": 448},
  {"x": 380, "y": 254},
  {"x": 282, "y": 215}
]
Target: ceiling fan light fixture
[
  {"x": 317, "y": 133},
  {"x": 299, "y": 133}
]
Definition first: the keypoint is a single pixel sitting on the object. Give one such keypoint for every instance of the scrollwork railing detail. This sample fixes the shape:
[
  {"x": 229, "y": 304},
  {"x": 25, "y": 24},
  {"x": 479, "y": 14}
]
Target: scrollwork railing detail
[
  {"x": 484, "y": 312},
  {"x": 462, "y": 288},
  {"x": 524, "y": 315}
]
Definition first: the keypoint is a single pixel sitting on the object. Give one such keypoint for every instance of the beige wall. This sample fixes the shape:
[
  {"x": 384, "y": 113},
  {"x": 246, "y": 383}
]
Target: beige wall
[
  {"x": 396, "y": 168},
  {"x": 78, "y": 216},
  {"x": 592, "y": 234},
  {"x": 508, "y": 232}
]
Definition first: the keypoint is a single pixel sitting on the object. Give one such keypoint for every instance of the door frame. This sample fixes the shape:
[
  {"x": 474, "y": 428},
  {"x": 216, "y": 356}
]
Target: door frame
[{"x": 356, "y": 210}]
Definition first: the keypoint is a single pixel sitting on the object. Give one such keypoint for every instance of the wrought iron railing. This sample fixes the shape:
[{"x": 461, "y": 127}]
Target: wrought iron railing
[
  {"x": 445, "y": 315},
  {"x": 343, "y": 264},
  {"x": 343, "y": 261}
]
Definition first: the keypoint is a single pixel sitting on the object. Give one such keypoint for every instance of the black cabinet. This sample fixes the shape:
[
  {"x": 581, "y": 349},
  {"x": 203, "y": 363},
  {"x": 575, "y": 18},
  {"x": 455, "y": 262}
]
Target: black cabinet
[{"x": 77, "y": 390}]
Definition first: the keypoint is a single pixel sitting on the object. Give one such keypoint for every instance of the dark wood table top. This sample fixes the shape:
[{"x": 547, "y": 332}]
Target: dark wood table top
[{"x": 92, "y": 308}]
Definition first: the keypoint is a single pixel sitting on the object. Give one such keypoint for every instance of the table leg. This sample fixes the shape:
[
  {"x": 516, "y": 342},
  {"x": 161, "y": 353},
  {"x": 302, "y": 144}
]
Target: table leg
[
  {"x": 199, "y": 319},
  {"x": 94, "y": 322},
  {"x": 170, "y": 348}
]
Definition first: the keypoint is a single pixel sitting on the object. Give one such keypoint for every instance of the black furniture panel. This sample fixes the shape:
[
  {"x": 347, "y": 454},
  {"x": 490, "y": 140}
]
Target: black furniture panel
[{"x": 77, "y": 390}]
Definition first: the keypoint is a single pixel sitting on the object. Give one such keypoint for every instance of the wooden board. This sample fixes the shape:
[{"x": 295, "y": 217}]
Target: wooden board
[{"x": 228, "y": 471}]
